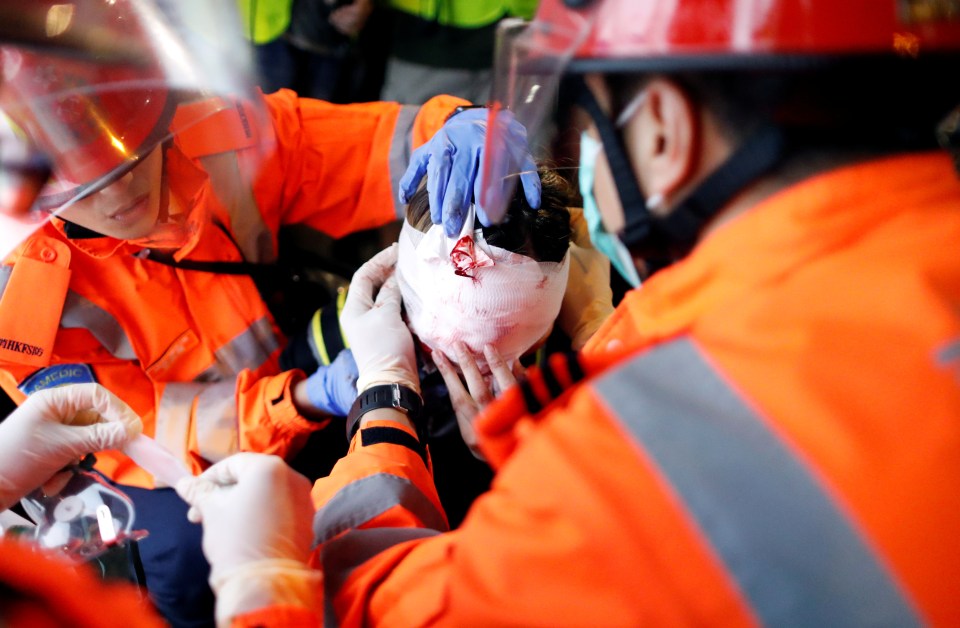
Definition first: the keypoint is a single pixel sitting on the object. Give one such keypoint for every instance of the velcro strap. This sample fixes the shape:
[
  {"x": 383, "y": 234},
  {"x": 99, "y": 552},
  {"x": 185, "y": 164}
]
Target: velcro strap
[{"x": 392, "y": 436}]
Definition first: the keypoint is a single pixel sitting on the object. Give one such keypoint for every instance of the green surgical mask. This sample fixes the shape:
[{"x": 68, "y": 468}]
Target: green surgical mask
[{"x": 607, "y": 243}]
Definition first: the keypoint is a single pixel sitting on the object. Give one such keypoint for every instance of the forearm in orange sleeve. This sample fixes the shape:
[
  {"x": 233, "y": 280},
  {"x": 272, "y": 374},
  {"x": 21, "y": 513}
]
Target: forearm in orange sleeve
[
  {"x": 268, "y": 420},
  {"x": 432, "y": 115}
]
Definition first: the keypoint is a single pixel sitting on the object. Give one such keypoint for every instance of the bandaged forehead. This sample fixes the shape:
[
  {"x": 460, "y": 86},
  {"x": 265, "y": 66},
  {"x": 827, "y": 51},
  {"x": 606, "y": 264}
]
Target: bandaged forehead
[{"x": 465, "y": 290}]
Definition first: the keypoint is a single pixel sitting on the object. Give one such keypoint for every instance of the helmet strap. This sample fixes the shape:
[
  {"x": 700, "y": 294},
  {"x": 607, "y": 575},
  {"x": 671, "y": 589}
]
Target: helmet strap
[
  {"x": 636, "y": 215},
  {"x": 759, "y": 154},
  {"x": 658, "y": 238}
]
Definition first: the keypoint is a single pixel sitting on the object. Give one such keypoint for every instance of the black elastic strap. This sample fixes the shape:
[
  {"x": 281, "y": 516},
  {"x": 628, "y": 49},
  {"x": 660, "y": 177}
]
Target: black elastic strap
[
  {"x": 574, "y": 368},
  {"x": 636, "y": 215},
  {"x": 392, "y": 436},
  {"x": 533, "y": 404},
  {"x": 756, "y": 156},
  {"x": 550, "y": 379}
]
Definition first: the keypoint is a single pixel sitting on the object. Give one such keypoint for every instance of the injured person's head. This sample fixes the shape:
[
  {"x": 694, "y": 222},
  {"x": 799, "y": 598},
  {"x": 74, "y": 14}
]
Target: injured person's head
[{"x": 500, "y": 285}]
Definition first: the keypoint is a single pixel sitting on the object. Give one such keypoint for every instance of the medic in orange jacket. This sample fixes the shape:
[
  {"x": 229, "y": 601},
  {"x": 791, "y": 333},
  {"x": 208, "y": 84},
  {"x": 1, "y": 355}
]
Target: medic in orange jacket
[
  {"x": 734, "y": 461},
  {"x": 764, "y": 434},
  {"x": 195, "y": 353}
]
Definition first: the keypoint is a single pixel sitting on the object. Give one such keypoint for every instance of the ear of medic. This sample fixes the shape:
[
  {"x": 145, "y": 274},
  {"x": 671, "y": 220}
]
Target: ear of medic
[
  {"x": 57, "y": 427},
  {"x": 455, "y": 164},
  {"x": 257, "y": 516}
]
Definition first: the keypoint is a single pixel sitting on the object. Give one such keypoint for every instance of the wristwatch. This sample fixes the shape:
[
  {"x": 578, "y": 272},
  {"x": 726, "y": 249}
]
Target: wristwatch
[
  {"x": 462, "y": 108},
  {"x": 393, "y": 396}
]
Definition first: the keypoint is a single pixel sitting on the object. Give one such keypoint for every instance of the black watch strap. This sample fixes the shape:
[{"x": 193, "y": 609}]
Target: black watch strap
[
  {"x": 393, "y": 396},
  {"x": 462, "y": 108}
]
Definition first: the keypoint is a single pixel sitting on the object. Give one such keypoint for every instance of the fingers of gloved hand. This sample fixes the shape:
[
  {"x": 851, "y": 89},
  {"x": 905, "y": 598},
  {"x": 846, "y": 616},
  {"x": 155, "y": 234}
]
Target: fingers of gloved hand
[
  {"x": 501, "y": 371},
  {"x": 459, "y": 193},
  {"x": 332, "y": 389},
  {"x": 193, "y": 490},
  {"x": 367, "y": 280},
  {"x": 439, "y": 172},
  {"x": 530, "y": 180},
  {"x": 54, "y": 485},
  {"x": 389, "y": 296},
  {"x": 71, "y": 405},
  {"x": 414, "y": 173}
]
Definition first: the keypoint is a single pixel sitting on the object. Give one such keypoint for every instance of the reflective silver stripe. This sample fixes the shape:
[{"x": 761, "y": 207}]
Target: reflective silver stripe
[
  {"x": 5, "y": 272},
  {"x": 249, "y": 349},
  {"x": 217, "y": 426},
  {"x": 340, "y": 557},
  {"x": 358, "y": 502},
  {"x": 400, "y": 149},
  {"x": 81, "y": 313},
  {"x": 794, "y": 554},
  {"x": 247, "y": 228},
  {"x": 173, "y": 417}
]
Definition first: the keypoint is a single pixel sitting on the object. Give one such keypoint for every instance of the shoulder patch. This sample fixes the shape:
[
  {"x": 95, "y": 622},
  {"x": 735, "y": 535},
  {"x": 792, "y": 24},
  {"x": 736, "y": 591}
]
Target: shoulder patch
[{"x": 57, "y": 375}]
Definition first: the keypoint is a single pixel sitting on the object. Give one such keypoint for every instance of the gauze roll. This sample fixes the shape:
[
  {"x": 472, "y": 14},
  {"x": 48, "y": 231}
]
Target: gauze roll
[{"x": 465, "y": 290}]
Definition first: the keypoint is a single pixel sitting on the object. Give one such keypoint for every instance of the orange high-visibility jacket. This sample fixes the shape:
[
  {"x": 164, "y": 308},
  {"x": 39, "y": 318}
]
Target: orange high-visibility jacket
[
  {"x": 765, "y": 433},
  {"x": 41, "y": 592},
  {"x": 195, "y": 353}
]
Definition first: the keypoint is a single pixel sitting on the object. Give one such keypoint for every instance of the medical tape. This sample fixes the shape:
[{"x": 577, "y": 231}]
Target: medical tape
[{"x": 156, "y": 460}]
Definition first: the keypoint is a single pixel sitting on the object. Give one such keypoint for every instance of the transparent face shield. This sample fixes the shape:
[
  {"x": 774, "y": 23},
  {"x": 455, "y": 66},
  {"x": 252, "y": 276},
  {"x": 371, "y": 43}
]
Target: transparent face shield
[
  {"x": 530, "y": 61},
  {"x": 135, "y": 75}
]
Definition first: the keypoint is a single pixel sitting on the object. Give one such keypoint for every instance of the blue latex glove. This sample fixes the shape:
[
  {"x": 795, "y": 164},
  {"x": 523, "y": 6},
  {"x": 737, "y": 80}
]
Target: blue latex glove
[
  {"x": 452, "y": 161},
  {"x": 332, "y": 389}
]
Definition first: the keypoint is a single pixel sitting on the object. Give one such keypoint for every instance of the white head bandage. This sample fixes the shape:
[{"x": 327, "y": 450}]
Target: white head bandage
[{"x": 463, "y": 289}]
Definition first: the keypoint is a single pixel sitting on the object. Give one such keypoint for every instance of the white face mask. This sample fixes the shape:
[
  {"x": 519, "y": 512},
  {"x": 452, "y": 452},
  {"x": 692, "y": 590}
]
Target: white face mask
[{"x": 465, "y": 290}]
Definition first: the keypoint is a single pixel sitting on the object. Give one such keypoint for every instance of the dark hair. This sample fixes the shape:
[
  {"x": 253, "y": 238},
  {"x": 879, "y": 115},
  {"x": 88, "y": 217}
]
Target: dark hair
[
  {"x": 543, "y": 234},
  {"x": 865, "y": 103}
]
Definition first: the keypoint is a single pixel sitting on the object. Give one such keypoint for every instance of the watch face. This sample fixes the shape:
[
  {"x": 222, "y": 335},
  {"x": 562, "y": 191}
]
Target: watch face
[{"x": 383, "y": 396}]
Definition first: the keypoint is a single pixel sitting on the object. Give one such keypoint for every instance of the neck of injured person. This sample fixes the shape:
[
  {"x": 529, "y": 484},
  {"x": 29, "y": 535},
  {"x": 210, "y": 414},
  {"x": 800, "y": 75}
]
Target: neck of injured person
[{"x": 467, "y": 289}]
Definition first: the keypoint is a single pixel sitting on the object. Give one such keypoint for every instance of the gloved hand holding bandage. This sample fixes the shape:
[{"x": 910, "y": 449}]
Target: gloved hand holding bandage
[
  {"x": 452, "y": 161},
  {"x": 588, "y": 300},
  {"x": 332, "y": 388},
  {"x": 257, "y": 529},
  {"x": 381, "y": 343},
  {"x": 57, "y": 427},
  {"x": 466, "y": 290}
]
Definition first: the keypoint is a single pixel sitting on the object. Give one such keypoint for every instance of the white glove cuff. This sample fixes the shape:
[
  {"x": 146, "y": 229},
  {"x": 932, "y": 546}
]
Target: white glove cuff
[
  {"x": 263, "y": 583},
  {"x": 393, "y": 376}
]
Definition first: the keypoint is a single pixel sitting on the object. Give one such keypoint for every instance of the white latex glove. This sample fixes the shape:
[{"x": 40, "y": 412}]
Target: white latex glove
[
  {"x": 381, "y": 343},
  {"x": 257, "y": 530},
  {"x": 588, "y": 301},
  {"x": 57, "y": 427}
]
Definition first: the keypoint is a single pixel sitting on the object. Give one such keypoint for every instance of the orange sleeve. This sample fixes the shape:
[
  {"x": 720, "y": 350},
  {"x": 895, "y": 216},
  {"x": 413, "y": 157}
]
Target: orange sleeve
[
  {"x": 336, "y": 168},
  {"x": 574, "y": 519},
  {"x": 268, "y": 419}
]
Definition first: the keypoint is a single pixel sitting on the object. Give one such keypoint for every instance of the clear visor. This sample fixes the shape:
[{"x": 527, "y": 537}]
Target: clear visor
[
  {"x": 530, "y": 60},
  {"x": 132, "y": 75}
]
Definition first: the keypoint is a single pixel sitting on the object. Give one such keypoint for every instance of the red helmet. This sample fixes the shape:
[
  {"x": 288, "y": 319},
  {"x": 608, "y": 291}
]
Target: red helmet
[
  {"x": 95, "y": 85},
  {"x": 675, "y": 35},
  {"x": 91, "y": 119},
  {"x": 651, "y": 34}
]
